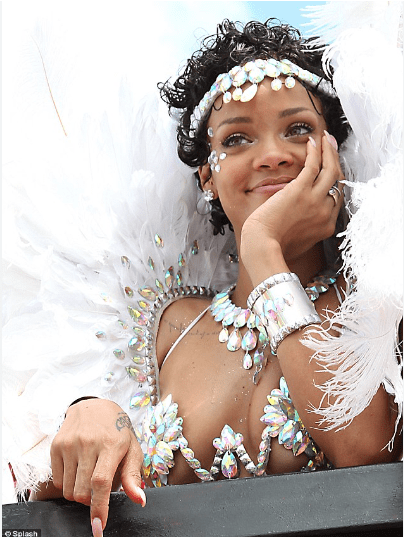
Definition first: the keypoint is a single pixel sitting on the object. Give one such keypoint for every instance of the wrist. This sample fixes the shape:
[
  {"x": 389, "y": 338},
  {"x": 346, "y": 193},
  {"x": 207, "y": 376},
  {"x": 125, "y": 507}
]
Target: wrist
[
  {"x": 262, "y": 257},
  {"x": 79, "y": 400}
]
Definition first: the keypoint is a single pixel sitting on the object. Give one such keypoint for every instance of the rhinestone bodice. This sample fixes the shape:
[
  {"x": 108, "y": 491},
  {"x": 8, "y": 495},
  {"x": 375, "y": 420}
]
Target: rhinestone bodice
[{"x": 160, "y": 436}]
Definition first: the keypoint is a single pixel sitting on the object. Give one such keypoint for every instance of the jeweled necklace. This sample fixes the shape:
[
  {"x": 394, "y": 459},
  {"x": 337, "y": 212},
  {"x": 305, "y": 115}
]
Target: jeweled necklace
[{"x": 225, "y": 311}]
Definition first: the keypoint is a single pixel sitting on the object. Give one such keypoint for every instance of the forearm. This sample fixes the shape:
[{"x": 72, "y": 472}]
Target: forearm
[{"x": 364, "y": 439}]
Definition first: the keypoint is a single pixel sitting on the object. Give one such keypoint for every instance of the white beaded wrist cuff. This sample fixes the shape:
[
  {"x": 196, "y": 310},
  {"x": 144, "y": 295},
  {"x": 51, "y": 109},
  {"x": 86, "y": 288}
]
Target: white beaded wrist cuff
[{"x": 283, "y": 307}]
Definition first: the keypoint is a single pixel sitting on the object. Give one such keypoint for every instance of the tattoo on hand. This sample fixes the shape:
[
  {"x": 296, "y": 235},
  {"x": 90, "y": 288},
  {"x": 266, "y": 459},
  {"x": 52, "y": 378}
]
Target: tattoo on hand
[{"x": 124, "y": 421}]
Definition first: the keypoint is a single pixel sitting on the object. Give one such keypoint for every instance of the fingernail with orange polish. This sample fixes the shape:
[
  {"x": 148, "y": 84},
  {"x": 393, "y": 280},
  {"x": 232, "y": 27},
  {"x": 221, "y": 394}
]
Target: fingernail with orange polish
[{"x": 96, "y": 526}]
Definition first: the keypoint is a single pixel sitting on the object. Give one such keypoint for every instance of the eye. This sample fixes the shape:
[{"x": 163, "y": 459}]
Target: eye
[
  {"x": 234, "y": 140},
  {"x": 299, "y": 129}
]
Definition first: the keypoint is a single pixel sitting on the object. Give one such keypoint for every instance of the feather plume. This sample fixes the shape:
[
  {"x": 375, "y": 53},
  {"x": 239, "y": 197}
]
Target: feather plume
[{"x": 365, "y": 355}]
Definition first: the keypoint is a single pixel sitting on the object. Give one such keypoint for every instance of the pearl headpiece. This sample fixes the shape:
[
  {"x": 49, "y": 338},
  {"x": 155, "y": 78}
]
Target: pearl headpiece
[{"x": 254, "y": 72}]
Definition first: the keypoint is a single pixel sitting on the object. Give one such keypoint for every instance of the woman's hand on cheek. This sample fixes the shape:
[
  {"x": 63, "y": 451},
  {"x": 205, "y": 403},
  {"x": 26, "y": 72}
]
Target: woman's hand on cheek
[{"x": 302, "y": 213}]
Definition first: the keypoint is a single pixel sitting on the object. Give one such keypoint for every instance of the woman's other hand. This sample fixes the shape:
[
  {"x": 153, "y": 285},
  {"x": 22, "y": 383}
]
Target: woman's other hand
[{"x": 94, "y": 451}]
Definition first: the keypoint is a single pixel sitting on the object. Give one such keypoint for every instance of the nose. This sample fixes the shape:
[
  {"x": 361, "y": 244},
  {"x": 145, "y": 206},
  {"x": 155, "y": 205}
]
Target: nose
[{"x": 273, "y": 153}]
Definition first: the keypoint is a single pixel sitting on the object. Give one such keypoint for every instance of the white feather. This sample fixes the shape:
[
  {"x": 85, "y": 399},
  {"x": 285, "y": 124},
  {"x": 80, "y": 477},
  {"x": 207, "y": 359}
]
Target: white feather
[{"x": 366, "y": 35}]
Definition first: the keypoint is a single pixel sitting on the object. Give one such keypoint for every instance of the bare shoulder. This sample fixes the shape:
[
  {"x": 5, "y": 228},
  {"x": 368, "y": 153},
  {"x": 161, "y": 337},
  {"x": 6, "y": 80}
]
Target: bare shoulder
[{"x": 175, "y": 320}]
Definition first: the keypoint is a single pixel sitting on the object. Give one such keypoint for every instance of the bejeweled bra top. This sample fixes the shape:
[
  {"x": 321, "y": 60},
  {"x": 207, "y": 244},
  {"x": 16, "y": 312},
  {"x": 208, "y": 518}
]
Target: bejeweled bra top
[{"x": 160, "y": 435}]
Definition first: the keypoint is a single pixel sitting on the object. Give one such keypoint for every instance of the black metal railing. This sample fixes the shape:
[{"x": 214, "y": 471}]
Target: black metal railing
[{"x": 363, "y": 501}]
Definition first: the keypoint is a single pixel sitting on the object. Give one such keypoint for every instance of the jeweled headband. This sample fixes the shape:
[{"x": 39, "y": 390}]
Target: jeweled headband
[{"x": 254, "y": 72}]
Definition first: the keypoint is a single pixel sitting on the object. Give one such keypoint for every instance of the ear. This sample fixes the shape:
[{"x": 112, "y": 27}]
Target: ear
[{"x": 205, "y": 175}]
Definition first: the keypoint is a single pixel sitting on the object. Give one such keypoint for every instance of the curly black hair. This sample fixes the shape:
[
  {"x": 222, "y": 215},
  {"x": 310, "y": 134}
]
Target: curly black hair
[{"x": 234, "y": 45}]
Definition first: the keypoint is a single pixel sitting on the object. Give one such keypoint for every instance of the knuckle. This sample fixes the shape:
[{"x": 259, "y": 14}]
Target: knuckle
[
  {"x": 100, "y": 481},
  {"x": 82, "y": 497}
]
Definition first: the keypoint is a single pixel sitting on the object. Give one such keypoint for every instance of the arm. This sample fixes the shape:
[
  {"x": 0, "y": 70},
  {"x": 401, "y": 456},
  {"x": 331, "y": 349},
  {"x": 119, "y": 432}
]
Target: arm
[{"x": 287, "y": 226}]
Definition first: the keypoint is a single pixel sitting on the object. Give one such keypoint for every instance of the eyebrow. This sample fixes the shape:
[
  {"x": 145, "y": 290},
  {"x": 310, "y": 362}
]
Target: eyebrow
[
  {"x": 291, "y": 111},
  {"x": 238, "y": 119},
  {"x": 283, "y": 113}
]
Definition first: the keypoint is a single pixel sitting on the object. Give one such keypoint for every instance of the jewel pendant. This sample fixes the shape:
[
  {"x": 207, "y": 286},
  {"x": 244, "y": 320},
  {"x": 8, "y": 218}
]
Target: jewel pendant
[
  {"x": 224, "y": 335},
  {"x": 234, "y": 342},
  {"x": 247, "y": 361}
]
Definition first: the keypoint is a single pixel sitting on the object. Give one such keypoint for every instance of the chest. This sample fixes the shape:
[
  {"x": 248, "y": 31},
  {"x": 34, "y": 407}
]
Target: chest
[{"x": 212, "y": 389}]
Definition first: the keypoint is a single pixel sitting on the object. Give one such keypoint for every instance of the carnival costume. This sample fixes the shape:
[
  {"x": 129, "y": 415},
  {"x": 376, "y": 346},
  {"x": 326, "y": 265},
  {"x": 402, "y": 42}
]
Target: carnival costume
[{"x": 83, "y": 305}]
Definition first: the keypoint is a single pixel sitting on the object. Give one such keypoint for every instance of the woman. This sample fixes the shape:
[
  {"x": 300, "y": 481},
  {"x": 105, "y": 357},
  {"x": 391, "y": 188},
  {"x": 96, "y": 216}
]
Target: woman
[{"x": 265, "y": 141}]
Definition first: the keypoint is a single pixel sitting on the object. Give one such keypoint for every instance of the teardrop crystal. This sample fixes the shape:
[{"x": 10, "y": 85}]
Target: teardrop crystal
[
  {"x": 242, "y": 318},
  {"x": 229, "y": 465},
  {"x": 181, "y": 260},
  {"x": 249, "y": 341},
  {"x": 140, "y": 399},
  {"x": 228, "y": 437},
  {"x": 158, "y": 240},
  {"x": 128, "y": 292},
  {"x": 195, "y": 248},
  {"x": 224, "y": 335},
  {"x": 159, "y": 286},
  {"x": 137, "y": 316},
  {"x": 125, "y": 261},
  {"x": 234, "y": 341},
  {"x": 249, "y": 93},
  {"x": 247, "y": 361},
  {"x": 148, "y": 293},
  {"x": 169, "y": 277}
]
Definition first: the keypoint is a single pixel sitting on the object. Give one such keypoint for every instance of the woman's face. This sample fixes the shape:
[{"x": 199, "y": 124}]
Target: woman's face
[{"x": 265, "y": 145}]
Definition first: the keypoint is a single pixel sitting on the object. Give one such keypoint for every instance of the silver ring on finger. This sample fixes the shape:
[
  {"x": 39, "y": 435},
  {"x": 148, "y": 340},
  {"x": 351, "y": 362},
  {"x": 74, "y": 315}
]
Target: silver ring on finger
[{"x": 335, "y": 193}]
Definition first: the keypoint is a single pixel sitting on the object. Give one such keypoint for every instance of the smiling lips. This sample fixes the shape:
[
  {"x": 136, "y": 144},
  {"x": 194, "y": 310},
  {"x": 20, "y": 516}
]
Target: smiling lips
[{"x": 270, "y": 186}]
